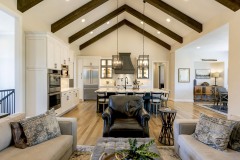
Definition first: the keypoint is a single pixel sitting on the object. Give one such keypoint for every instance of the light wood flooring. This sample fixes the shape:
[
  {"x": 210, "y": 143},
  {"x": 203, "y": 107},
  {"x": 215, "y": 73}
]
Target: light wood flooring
[{"x": 90, "y": 123}]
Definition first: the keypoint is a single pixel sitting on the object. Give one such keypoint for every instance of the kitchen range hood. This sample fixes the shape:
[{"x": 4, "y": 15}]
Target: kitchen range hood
[{"x": 127, "y": 67}]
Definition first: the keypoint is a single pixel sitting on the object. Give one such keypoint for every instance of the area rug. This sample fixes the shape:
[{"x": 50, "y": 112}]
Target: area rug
[
  {"x": 84, "y": 153},
  {"x": 219, "y": 109}
]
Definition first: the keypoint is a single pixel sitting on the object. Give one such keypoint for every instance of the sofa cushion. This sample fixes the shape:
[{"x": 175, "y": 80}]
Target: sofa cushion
[
  {"x": 35, "y": 129},
  {"x": 214, "y": 132},
  {"x": 52, "y": 149},
  {"x": 5, "y": 129},
  {"x": 52, "y": 126},
  {"x": 19, "y": 138},
  {"x": 193, "y": 149}
]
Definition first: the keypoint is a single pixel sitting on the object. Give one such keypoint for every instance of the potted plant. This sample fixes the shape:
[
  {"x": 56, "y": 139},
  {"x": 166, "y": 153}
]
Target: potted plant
[{"x": 136, "y": 153}]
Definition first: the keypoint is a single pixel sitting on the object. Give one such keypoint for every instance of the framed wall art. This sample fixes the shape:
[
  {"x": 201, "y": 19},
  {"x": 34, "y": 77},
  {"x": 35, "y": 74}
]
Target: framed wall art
[
  {"x": 202, "y": 73},
  {"x": 184, "y": 75}
]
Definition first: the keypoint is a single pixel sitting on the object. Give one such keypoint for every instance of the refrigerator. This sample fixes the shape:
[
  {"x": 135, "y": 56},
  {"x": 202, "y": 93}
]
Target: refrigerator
[{"x": 90, "y": 82}]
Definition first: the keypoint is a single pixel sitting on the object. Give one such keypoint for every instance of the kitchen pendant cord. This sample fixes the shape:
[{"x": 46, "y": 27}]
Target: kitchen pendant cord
[
  {"x": 143, "y": 27},
  {"x": 117, "y": 35}
]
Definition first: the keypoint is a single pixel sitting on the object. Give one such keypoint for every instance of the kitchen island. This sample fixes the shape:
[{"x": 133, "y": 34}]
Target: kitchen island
[{"x": 146, "y": 98}]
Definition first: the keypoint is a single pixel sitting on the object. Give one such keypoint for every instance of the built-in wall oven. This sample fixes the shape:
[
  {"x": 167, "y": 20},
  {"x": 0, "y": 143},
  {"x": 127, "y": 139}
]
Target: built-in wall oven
[{"x": 54, "y": 89}]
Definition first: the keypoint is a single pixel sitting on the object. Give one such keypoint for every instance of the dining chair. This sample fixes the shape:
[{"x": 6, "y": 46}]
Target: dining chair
[{"x": 102, "y": 99}]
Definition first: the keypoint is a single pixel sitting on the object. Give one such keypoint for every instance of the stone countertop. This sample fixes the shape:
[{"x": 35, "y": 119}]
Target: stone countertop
[
  {"x": 113, "y": 90},
  {"x": 67, "y": 89}
]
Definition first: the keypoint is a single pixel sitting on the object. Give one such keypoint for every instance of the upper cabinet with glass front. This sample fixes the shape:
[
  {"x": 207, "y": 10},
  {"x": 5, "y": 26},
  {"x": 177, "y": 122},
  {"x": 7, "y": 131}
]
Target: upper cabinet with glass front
[
  {"x": 143, "y": 69},
  {"x": 106, "y": 68}
]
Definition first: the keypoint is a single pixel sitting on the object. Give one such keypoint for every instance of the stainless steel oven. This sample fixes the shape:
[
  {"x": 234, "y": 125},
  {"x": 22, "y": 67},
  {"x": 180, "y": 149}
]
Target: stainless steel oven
[
  {"x": 54, "y": 100},
  {"x": 54, "y": 81},
  {"x": 54, "y": 89}
]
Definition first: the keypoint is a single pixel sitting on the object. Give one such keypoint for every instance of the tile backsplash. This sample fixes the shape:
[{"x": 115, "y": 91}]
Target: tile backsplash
[{"x": 64, "y": 82}]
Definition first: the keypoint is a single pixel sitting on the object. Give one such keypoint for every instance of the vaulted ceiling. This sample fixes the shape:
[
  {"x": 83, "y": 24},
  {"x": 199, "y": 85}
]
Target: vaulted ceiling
[{"x": 64, "y": 17}]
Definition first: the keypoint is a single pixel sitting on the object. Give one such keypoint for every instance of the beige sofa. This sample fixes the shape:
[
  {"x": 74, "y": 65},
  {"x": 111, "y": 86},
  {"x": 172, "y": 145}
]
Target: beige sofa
[
  {"x": 188, "y": 148},
  {"x": 59, "y": 148}
]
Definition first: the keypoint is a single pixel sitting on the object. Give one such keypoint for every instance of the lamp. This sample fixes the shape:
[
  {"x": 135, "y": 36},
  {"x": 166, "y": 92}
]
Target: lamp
[
  {"x": 143, "y": 59},
  {"x": 215, "y": 75},
  {"x": 116, "y": 60}
]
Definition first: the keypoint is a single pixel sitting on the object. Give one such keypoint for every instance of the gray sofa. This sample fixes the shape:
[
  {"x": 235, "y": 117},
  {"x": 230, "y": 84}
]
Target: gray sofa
[
  {"x": 59, "y": 148},
  {"x": 188, "y": 148}
]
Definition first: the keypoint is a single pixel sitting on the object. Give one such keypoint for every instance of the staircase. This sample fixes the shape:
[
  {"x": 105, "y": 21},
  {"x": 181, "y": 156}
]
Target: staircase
[{"x": 7, "y": 101}]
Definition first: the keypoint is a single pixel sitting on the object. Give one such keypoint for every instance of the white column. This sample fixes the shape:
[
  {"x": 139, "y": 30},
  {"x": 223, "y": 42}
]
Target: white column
[{"x": 234, "y": 66}]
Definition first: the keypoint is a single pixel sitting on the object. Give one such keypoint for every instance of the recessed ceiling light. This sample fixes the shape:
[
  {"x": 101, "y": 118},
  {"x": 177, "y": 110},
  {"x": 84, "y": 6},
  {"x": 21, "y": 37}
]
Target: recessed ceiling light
[
  {"x": 168, "y": 20},
  {"x": 158, "y": 32},
  {"x": 83, "y": 20},
  {"x": 186, "y": 0},
  {"x": 198, "y": 47},
  {"x": 108, "y": 22},
  {"x": 141, "y": 22},
  {"x": 91, "y": 32},
  {"x": 67, "y": 0}
]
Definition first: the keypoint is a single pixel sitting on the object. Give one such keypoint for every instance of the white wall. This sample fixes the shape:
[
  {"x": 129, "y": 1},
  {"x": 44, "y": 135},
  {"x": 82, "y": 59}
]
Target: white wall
[
  {"x": 187, "y": 59},
  {"x": 129, "y": 41},
  {"x": 234, "y": 66}
]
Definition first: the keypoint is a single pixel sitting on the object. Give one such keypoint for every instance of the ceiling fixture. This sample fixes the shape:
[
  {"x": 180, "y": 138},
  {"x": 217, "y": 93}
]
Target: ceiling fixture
[
  {"x": 158, "y": 32},
  {"x": 143, "y": 59},
  {"x": 116, "y": 60},
  {"x": 83, "y": 20},
  {"x": 108, "y": 22},
  {"x": 91, "y": 32},
  {"x": 198, "y": 47},
  {"x": 168, "y": 20},
  {"x": 141, "y": 22}
]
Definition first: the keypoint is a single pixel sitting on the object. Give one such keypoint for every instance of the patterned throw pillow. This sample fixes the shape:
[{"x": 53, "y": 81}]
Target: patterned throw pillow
[
  {"x": 234, "y": 142},
  {"x": 35, "y": 129},
  {"x": 52, "y": 126},
  {"x": 19, "y": 138},
  {"x": 214, "y": 132}
]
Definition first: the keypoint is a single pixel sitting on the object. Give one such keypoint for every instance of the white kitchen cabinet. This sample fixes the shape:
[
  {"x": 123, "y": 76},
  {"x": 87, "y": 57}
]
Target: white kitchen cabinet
[
  {"x": 69, "y": 100},
  {"x": 71, "y": 70},
  {"x": 53, "y": 54},
  {"x": 64, "y": 55},
  {"x": 71, "y": 56}
]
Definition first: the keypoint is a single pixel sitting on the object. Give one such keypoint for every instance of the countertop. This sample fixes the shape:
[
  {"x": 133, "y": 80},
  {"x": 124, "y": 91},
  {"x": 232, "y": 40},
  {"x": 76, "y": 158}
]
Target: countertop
[
  {"x": 113, "y": 90},
  {"x": 67, "y": 89}
]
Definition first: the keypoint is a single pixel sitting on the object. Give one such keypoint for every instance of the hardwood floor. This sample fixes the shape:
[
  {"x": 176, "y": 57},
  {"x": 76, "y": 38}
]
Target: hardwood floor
[{"x": 90, "y": 123}]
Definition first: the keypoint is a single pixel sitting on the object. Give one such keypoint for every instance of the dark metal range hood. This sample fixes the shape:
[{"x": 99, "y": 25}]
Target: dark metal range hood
[{"x": 127, "y": 64}]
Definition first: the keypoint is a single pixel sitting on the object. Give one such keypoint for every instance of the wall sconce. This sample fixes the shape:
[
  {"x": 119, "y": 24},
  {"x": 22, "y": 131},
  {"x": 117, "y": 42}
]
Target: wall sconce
[{"x": 216, "y": 75}]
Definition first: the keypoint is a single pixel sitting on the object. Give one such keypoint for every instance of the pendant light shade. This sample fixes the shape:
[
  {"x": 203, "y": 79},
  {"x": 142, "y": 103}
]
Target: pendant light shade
[
  {"x": 143, "y": 60},
  {"x": 116, "y": 60}
]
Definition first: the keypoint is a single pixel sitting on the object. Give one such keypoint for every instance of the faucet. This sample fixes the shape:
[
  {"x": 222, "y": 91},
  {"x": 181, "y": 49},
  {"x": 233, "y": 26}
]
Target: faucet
[{"x": 126, "y": 82}]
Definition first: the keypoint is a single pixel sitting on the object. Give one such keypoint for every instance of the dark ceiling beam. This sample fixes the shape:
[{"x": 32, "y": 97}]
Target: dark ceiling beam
[
  {"x": 24, "y": 5},
  {"x": 96, "y": 24},
  {"x": 76, "y": 14},
  {"x": 185, "y": 19},
  {"x": 129, "y": 24},
  {"x": 150, "y": 36},
  {"x": 231, "y": 4},
  {"x": 131, "y": 11},
  {"x": 154, "y": 24},
  {"x": 101, "y": 35}
]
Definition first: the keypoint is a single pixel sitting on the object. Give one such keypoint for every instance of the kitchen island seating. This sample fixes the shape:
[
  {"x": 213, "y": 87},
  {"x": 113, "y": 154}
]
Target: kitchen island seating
[
  {"x": 102, "y": 99},
  {"x": 155, "y": 102},
  {"x": 125, "y": 117}
]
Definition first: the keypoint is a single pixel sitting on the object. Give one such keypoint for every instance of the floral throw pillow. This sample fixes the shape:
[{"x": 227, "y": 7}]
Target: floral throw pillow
[
  {"x": 52, "y": 126},
  {"x": 35, "y": 129},
  {"x": 214, "y": 132}
]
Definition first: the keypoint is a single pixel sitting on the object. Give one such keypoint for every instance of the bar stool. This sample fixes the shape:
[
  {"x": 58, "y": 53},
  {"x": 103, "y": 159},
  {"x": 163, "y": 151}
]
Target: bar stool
[
  {"x": 164, "y": 98},
  {"x": 140, "y": 94},
  {"x": 155, "y": 101},
  {"x": 102, "y": 99}
]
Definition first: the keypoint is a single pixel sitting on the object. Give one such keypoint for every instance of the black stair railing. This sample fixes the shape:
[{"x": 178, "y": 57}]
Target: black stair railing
[{"x": 7, "y": 101}]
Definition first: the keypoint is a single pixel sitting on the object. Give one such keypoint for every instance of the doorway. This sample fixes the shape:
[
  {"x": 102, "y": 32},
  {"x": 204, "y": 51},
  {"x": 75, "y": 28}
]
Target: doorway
[{"x": 159, "y": 75}]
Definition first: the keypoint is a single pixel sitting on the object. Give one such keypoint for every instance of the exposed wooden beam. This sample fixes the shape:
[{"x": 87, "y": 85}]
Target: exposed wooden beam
[
  {"x": 76, "y": 14},
  {"x": 24, "y": 5},
  {"x": 154, "y": 24},
  {"x": 129, "y": 24},
  {"x": 150, "y": 36},
  {"x": 96, "y": 24},
  {"x": 185, "y": 19},
  {"x": 101, "y": 35},
  {"x": 231, "y": 4}
]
